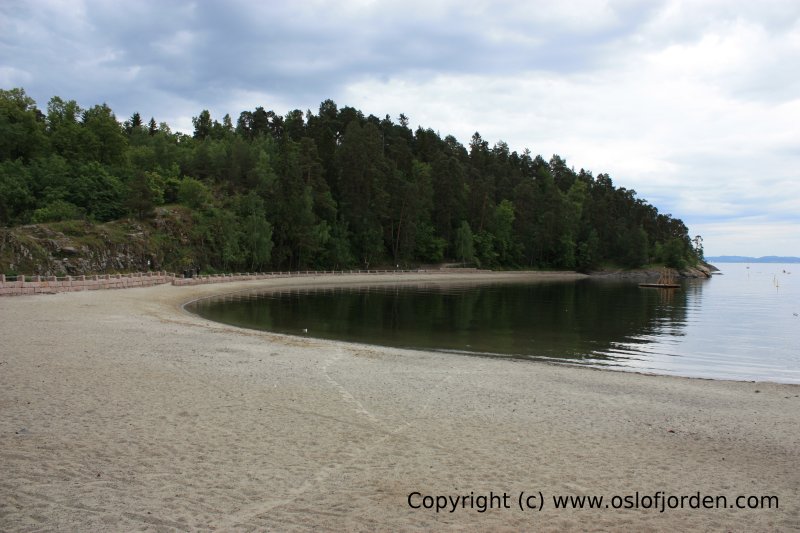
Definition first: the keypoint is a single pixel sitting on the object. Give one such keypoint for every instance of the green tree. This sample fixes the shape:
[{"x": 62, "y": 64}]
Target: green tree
[
  {"x": 464, "y": 244},
  {"x": 362, "y": 189},
  {"x": 66, "y": 136},
  {"x": 16, "y": 198},
  {"x": 261, "y": 177},
  {"x": 588, "y": 252},
  {"x": 635, "y": 248},
  {"x": 256, "y": 235},
  {"x": 21, "y": 126},
  {"x": 294, "y": 125},
  {"x": 219, "y": 238},
  {"x": 144, "y": 192},
  {"x": 202, "y": 125},
  {"x": 298, "y": 232},
  {"x": 697, "y": 245},
  {"x": 485, "y": 252},
  {"x": 56, "y": 211},
  {"x": 134, "y": 124},
  {"x": 313, "y": 175},
  {"x": 103, "y": 137},
  {"x": 338, "y": 253},
  {"x": 503, "y": 231},
  {"x": 449, "y": 195},
  {"x": 194, "y": 193},
  {"x": 100, "y": 193},
  {"x": 673, "y": 253},
  {"x": 428, "y": 247}
]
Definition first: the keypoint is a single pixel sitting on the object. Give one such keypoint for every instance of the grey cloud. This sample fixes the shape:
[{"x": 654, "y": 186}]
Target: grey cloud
[
  {"x": 309, "y": 51},
  {"x": 304, "y": 53}
]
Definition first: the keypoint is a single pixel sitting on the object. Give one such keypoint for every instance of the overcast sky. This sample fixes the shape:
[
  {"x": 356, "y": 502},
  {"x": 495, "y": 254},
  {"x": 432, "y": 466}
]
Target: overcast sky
[{"x": 695, "y": 105}]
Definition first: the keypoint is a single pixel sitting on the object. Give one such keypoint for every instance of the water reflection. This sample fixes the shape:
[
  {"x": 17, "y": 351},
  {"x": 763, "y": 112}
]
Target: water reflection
[
  {"x": 742, "y": 325},
  {"x": 578, "y": 321}
]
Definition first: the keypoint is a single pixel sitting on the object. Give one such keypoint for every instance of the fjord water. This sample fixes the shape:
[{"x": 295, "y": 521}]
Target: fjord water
[{"x": 743, "y": 324}]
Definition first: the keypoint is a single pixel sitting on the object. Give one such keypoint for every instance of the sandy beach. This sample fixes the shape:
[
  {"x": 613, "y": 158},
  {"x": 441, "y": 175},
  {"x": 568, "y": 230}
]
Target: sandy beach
[{"x": 123, "y": 412}]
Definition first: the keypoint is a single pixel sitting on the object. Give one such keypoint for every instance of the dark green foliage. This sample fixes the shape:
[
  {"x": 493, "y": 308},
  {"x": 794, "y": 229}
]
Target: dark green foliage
[
  {"x": 104, "y": 139},
  {"x": 202, "y": 125},
  {"x": 21, "y": 126},
  {"x": 16, "y": 198},
  {"x": 464, "y": 243},
  {"x": 587, "y": 253},
  {"x": 673, "y": 253},
  {"x": 428, "y": 247},
  {"x": 333, "y": 189},
  {"x": 193, "y": 193},
  {"x": 56, "y": 211},
  {"x": 635, "y": 248},
  {"x": 144, "y": 192},
  {"x": 134, "y": 125}
]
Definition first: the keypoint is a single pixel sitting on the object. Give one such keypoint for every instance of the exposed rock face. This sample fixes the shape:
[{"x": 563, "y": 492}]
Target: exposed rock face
[
  {"x": 702, "y": 270},
  {"x": 78, "y": 247},
  {"x": 46, "y": 252}
]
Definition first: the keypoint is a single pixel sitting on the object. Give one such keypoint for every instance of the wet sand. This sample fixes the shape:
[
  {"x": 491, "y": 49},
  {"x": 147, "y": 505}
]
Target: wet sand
[{"x": 120, "y": 412}]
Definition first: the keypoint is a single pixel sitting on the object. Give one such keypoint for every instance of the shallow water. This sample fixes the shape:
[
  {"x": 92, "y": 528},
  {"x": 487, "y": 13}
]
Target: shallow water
[{"x": 743, "y": 324}]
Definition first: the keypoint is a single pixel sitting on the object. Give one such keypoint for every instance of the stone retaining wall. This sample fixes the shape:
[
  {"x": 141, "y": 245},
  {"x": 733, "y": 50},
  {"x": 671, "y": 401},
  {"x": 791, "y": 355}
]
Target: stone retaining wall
[{"x": 52, "y": 284}]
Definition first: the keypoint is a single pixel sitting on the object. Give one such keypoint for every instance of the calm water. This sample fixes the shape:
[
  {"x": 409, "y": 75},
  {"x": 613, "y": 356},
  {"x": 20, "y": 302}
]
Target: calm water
[{"x": 743, "y": 324}]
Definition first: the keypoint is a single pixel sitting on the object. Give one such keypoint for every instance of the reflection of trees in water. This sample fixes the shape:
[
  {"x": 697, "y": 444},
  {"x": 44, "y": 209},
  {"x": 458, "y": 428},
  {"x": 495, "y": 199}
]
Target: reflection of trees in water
[
  {"x": 625, "y": 313},
  {"x": 553, "y": 319}
]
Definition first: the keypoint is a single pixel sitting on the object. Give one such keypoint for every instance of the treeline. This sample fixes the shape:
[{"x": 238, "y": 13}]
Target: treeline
[{"x": 333, "y": 189}]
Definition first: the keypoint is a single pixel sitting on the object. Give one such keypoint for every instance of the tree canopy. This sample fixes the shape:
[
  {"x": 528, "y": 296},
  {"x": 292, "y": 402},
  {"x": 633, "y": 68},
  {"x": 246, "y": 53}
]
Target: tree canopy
[{"x": 331, "y": 189}]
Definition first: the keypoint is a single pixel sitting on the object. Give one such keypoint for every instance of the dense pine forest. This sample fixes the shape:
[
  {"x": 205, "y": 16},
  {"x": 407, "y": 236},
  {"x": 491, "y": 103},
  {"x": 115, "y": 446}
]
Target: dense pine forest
[{"x": 331, "y": 189}]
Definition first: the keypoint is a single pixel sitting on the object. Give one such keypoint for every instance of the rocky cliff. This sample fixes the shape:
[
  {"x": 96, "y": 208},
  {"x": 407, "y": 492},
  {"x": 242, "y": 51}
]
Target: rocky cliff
[{"x": 79, "y": 247}]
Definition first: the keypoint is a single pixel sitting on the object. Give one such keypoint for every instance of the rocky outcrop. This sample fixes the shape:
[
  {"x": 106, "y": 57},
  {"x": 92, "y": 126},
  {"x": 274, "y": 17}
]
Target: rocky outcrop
[
  {"x": 48, "y": 252},
  {"x": 701, "y": 270},
  {"x": 75, "y": 248}
]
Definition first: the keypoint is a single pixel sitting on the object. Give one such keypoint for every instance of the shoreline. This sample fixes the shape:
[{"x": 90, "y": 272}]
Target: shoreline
[
  {"x": 38, "y": 284},
  {"x": 124, "y": 411}
]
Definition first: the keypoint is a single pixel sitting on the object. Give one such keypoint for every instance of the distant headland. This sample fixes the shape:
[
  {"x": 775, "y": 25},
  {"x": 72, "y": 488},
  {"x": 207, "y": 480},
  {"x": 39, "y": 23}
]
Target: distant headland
[{"x": 744, "y": 259}]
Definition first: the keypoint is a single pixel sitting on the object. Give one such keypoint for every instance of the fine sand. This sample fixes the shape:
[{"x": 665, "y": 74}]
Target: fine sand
[{"x": 122, "y": 412}]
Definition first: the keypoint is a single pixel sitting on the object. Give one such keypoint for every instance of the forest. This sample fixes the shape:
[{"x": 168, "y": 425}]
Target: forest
[{"x": 327, "y": 190}]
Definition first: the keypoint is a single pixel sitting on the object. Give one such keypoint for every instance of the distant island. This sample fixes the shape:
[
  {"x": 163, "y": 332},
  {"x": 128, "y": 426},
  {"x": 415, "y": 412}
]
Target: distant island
[{"x": 744, "y": 259}]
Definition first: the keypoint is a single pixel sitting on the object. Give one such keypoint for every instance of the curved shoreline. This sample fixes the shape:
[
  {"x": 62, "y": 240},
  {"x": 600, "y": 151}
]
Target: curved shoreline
[{"x": 121, "y": 411}]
